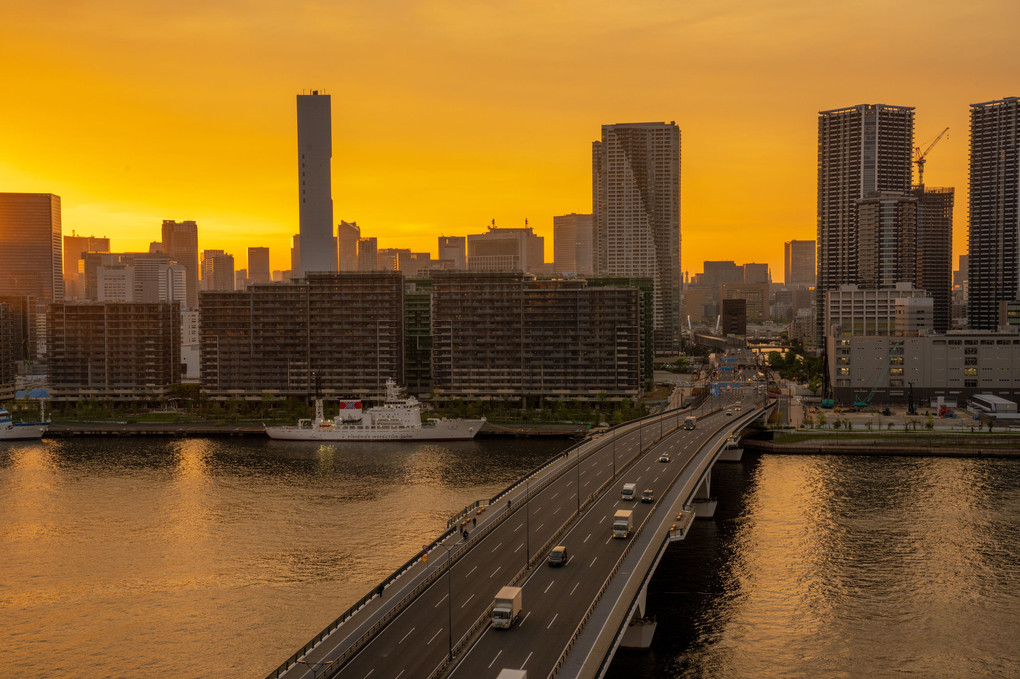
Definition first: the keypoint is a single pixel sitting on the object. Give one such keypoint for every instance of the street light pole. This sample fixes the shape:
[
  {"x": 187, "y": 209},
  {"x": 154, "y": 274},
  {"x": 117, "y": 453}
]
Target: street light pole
[
  {"x": 449, "y": 598},
  {"x": 578, "y": 465},
  {"x": 527, "y": 520}
]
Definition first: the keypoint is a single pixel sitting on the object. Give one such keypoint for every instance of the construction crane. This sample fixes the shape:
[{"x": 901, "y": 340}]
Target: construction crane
[
  {"x": 920, "y": 156},
  {"x": 860, "y": 402}
]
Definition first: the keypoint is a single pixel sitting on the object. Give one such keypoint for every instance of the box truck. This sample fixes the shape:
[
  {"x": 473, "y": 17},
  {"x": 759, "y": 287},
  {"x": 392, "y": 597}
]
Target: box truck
[
  {"x": 623, "y": 523},
  {"x": 507, "y": 607}
]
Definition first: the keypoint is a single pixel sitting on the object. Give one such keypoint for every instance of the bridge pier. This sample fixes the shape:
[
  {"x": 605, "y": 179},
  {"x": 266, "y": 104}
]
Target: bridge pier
[
  {"x": 641, "y": 629},
  {"x": 704, "y": 503}
]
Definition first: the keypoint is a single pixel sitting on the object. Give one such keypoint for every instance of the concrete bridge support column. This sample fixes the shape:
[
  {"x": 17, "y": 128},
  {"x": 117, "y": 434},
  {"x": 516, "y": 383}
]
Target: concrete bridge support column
[
  {"x": 704, "y": 504},
  {"x": 642, "y": 628}
]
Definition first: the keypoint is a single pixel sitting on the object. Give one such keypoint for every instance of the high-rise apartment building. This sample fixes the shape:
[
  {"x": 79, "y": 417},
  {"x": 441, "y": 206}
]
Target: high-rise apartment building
[
  {"x": 887, "y": 239},
  {"x": 113, "y": 351},
  {"x": 636, "y": 214},
  {"x": 180, "y": 241},
  {"x": 994, "y": 237},
  {"x": 74, "y": 246},
  {"x": 7, "y": 352},
  {"x": 315, "y": 209},
  {"x": 217, "y": 270},
  {"x": 935, "y": 250},
  {"x": 348, "y": 235},
  {"x": 30, "y": 247},
  {"x": 573, "y": 239},
  {"x": 453, "y": 249},
  {"x": 799, "y": 259},
  {"x": 258, "y": 265},
  {"x": 862, "y": 150}
]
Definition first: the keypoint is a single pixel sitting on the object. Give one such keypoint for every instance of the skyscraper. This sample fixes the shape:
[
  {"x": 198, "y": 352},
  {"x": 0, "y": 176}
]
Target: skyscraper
[
  {"x": 30, "y": 247},
  {"x": 368, "y": 254},
  {"x": 347, "y": 235},
  {"x": 636, "y": 215},
  {"x": 887, "y": 240},
  {"x": 799, "y": 257},
  {"x": 258, "y": 266},
  {"x": 73, "y": 247},
  {"x": 994, "y": 211},
  {"x": 180, "y": 241},
  {"x": 315, "y": 209},
  {"x": 862, "y": 150},
  {"x": 217, "y": 270},
  {"x": 572, "y": 244}
]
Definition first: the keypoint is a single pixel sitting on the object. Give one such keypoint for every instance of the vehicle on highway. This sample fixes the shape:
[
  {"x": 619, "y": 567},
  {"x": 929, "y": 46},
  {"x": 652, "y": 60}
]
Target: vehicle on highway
[
  {"x": 664, "y": 457},
  {"x": 558, "y": 556},
  {"x": 623, "y": 523},
  {"x": 512, "y": 674},
  {"x": 648, "y": 495},
  {"x": 729, "y": 413},
  {"x": 629, "y": 491},
  {"x": 689, "y": 422},
  {"x": 507, "y": 607}
]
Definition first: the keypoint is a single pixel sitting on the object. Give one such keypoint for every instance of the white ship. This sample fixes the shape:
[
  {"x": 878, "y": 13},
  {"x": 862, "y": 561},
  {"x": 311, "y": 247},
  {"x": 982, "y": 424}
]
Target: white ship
[
  {"x": 395, "y": 420},
  {"x": 16, "y": 432}
]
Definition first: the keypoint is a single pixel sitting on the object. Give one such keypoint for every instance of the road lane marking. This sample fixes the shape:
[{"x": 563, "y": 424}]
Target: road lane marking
[
  {"x": 518, "y": 548},
  {"x": 494, "y": 659},
  {"x": 529, "y": 655},
  {"x": 407, "y": 635},
  {"x": 610, "y": 539},
  {"x": 556, "y": 510},
  {"x": 369, "y": 673},
  {"x": 539, "y": 527},
  {"x": 401, "y": 673},
  {"x": 494, "y": 573},
  {"x": 554, "y": 497},
  {"x": 575, "y": 587},
  {"x": 441, "y": 600},
  {"x": 466, "y": 602},
  {"x": 519, "y": 527},
  {"x": 470, "y": 572},
  {"x": 434, "y": 636},
  {"x": 524, "y": 618},
  {"x": 548, "y": 586},
  {"x": 586, "y": 539},
  {"x": 497, "y": 547},
  {"x": 593, "y": 562}
]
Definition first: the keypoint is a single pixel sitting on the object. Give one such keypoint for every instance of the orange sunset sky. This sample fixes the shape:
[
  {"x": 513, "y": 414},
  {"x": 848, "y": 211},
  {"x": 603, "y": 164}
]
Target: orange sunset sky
[{"x": 449, "y": 114}]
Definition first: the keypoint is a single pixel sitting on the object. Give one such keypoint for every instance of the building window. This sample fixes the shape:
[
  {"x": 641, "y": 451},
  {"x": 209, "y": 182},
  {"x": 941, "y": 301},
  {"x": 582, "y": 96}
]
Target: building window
[
  {"x": 895, "y": 371},
  {"x": 896, "y": 382},
  {"x": 970, "y": 372},
  {"x": 970, "y": 360},
  {"x": 844, "y": 371}
]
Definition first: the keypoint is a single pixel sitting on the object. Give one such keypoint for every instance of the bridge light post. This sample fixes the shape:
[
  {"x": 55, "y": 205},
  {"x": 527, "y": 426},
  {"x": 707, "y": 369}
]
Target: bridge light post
[
  {"x": 527, "y": 520},
  {"x": 578, "y": 465},
  {"x": 614, "y": 454}
]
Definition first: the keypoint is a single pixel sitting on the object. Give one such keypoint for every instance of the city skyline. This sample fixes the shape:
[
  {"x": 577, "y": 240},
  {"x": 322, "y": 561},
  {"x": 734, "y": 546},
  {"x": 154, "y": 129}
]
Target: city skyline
[{"x": 491, "y": 118}]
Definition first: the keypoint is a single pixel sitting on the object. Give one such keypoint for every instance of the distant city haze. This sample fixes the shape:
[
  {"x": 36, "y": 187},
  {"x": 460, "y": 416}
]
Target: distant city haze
[{"x": 443, "y": 120}]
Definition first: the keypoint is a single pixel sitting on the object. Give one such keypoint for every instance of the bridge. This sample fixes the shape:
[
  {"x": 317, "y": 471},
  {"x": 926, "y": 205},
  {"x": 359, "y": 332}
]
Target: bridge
[{"x": 431, "y": 617}]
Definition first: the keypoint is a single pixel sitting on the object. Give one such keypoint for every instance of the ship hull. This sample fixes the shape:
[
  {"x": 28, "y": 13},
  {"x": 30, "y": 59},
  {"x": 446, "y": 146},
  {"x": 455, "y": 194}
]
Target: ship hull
[{"x": 444, "y": 430}]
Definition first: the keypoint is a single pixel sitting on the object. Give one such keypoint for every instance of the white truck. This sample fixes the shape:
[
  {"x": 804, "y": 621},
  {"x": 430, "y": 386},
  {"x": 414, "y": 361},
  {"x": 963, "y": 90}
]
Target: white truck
[
  {"x": 629, "y": 491},
  {"x": 623, "y": 523},
  {"x": 512, "y": 674},
  {"x": 507, "y": 607}
]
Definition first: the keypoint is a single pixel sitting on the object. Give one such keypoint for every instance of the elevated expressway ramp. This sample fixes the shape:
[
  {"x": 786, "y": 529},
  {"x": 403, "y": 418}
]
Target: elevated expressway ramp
[{"x": 431, "y": 618}]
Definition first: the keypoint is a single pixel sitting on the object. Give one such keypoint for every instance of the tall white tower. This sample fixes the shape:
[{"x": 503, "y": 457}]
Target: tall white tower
[{"x": 315, "y": 149}]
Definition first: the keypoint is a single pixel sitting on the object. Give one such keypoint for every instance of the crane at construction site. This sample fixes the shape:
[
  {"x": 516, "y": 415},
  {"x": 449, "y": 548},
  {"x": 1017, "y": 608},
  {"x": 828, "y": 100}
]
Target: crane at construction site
[{"x": 920, "y": 156}]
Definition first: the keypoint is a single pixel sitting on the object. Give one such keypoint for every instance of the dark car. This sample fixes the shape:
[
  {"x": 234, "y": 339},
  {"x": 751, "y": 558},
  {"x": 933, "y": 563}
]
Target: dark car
[{"x": 559, "y": 556}]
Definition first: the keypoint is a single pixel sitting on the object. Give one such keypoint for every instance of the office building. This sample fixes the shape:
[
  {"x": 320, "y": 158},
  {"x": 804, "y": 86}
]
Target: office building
[
  {"x": 505, "y": 336},
  {"x": 953, "y": 367},
  {"x": 368, "y": 254},
  {"x": 315, "y": 210},
  {"x": 862, "y": 150},
  {"x": 258, "y": 265},
  {"x": 506, "y": 249},
  {"x": 453, "y": 249},
  {"x": 217, "y": 270},
  {"x": 74, "y": 246},
  {"x": 30, "y": 246},
  {"x": 900, "y": 310},
  {"x": 755, "y": 296},
  {"x": 241, "y": 279},
  {"x": 573, "y": 240},
  {"x": 734, "y": 317},
  {"x": 935, "y": 250},
  {"x": 115, "y": 283},
  {"x": 799, "y": 260},
  {"x": 348, "y": 235},
  {"x": 994, "y": 238},
  {"x": 113, "y": 351},
  {"x": 636, "y": 214},
  {"x": 180, "y": 241},
  {"x": 345, "y": 328},
  {"x": 757, "y": 273},
  {"x": 295, "y": 254}
]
